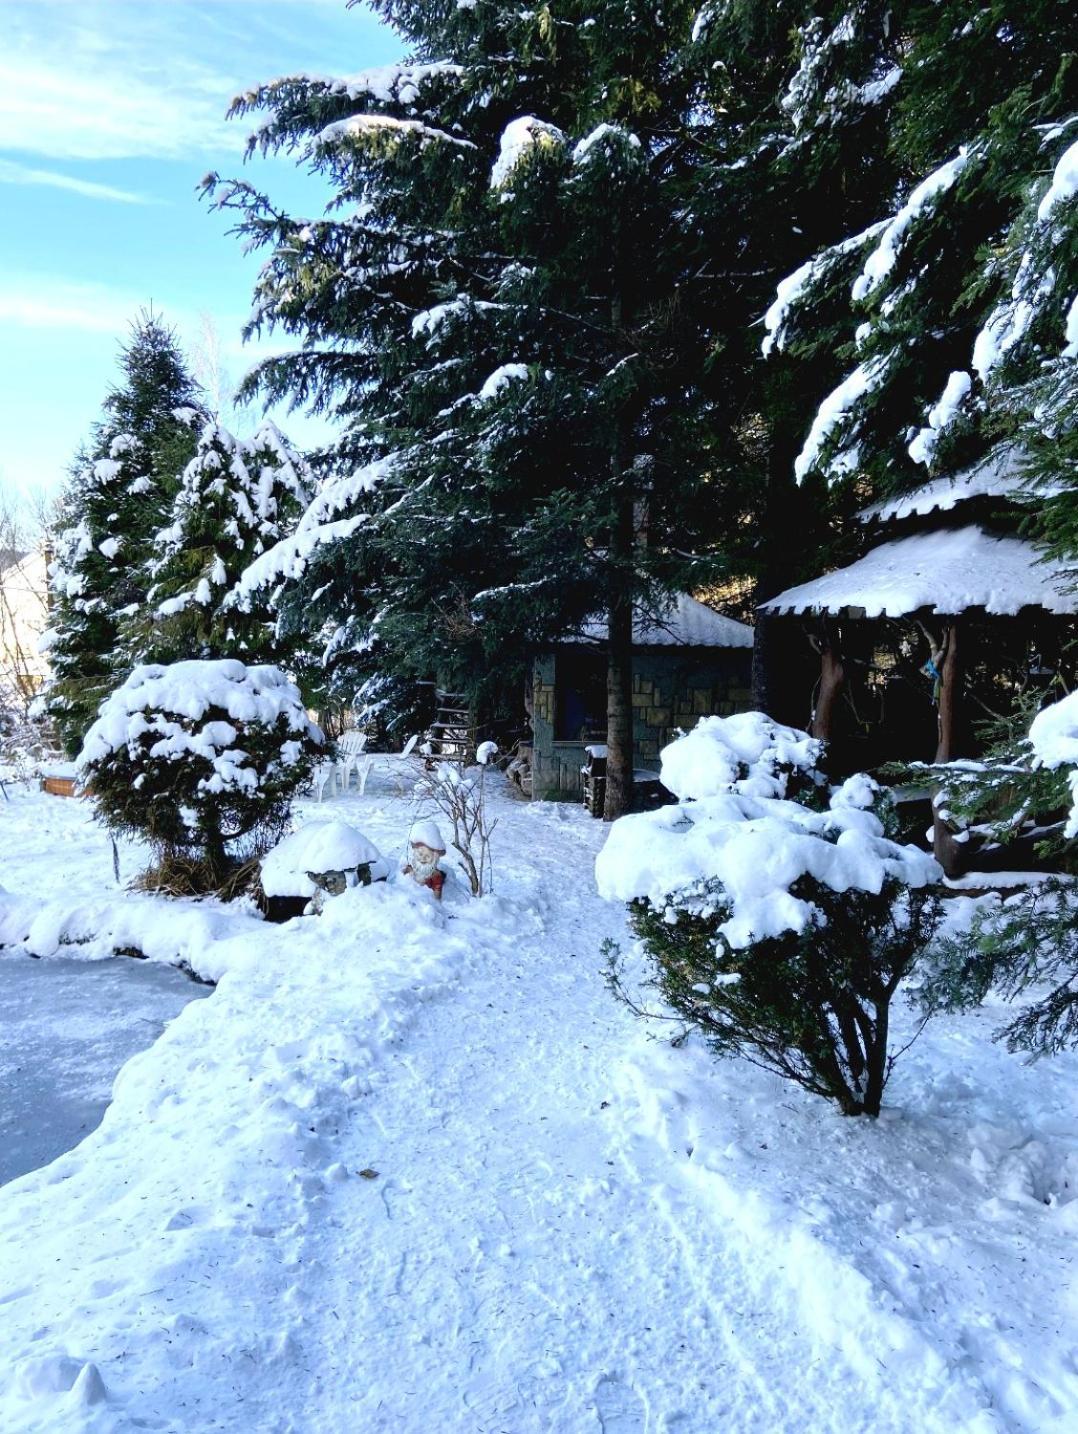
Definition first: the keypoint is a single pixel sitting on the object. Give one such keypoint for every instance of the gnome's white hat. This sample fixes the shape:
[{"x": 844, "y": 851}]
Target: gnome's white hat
[{"x": 427, "y": 834}]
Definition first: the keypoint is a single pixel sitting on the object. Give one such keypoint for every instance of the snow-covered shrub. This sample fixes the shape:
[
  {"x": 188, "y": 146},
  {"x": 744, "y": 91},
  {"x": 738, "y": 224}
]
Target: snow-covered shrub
[
  {"x": 779, "y": 930},
  {"x": 200, "y": 759}
]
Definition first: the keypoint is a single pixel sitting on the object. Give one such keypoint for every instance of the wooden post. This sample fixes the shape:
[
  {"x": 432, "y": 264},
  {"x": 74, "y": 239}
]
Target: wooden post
[
  {"x": 950, "y": 697},
  {"x": 832, "y": 676},
  {"x": 951, "y": 854}
]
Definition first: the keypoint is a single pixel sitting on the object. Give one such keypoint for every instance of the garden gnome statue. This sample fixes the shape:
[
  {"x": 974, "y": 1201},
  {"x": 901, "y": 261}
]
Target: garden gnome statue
[{"x": 427, "y": 847}]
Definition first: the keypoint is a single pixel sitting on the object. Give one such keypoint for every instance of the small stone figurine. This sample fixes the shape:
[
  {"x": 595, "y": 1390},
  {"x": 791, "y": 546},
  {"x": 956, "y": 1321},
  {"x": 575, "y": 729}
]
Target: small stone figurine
[{"x": 427, "y": 847}]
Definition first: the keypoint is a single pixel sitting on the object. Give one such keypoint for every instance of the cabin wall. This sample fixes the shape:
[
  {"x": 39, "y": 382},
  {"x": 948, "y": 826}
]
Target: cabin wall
[{"x": 672, "y": 688}]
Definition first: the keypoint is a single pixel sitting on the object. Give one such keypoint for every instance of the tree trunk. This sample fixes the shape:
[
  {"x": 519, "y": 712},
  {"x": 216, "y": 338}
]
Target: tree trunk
[
  {"x": 619, "y": 678},
  {"x": 950, "y": 697},
  {"x": 832, "y": 676},
  {"x": 618, "y": 799},
  {"x": 876, "y": 1053}
]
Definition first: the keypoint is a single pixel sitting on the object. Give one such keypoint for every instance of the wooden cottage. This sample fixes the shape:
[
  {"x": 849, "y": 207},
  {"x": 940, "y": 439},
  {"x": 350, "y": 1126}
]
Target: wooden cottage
[
  {"x": 947, "y": 618},
  {"x": 690, "y": 661}
]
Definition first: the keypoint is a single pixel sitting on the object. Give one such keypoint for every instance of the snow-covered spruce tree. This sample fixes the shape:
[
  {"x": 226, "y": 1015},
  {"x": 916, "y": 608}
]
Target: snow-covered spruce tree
[
  {"x": 502, "y": 310},
  {"x": 1026, "y": 945},
  {"x": 950, "y": 304},
  {"x": 200, "y": 759},
  {"x": 236, "y": 499},
  {"x": 117, "y": 498},
  {"x": 780, "y": 918}
]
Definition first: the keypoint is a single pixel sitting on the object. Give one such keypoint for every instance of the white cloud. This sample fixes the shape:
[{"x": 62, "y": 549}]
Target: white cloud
[
  {"x": 43, "y": 301},
  {"x": 12, "y": 172},
  {"x": 109, "y": 81},
  {"x": 124, "y": 79}
]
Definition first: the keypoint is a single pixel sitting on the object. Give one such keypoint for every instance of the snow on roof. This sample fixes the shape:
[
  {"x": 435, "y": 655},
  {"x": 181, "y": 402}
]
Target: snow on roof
[
  {"x": 947, "y": 571},
  {"x": 685, "y": 623},
  {"x": 997, "y": 476}
]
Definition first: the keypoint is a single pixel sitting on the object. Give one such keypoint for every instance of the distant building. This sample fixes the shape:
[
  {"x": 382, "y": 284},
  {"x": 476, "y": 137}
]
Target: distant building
[
  {"x": 24, "y": 615},
  {"x": 690, "y": 662}
]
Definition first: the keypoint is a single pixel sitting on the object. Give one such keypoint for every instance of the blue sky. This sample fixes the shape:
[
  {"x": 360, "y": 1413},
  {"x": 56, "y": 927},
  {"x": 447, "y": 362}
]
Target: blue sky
[{"x": 110, "y": 113}]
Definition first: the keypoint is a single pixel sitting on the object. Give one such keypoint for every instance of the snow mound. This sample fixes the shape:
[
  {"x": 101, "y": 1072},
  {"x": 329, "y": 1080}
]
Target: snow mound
[
  {"x": 745, "y": 753},
  {"x": 319, "y": 847},
  {"x": 1054, "y": 738}
]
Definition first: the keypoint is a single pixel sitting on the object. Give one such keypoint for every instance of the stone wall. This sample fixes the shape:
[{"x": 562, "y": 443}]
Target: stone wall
[{"x": 672, "y": 688}]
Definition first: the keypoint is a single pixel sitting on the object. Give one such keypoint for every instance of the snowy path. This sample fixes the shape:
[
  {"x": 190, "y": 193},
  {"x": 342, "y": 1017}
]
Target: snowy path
[
  {"x": 573, "y": 1228},
  {"x": 528, "y": 1262}
]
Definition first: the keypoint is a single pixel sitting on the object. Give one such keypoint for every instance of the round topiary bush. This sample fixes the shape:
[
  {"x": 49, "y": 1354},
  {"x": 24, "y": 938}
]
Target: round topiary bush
[{"x": 200, "y": 759}]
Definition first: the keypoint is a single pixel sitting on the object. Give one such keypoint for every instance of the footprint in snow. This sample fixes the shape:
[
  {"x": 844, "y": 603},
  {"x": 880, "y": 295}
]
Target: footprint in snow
[{"x": 620, "y": 1409}]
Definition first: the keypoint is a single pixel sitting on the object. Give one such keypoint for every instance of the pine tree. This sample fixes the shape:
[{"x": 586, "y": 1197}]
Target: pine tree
[
  {"x": 120, "y": 487},
  {"x": 236, "y": 499},
  {"x": 505, "y": 321}
]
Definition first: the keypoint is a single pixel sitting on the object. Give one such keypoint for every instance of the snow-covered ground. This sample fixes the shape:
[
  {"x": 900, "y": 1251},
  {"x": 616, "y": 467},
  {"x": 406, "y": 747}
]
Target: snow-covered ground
[{"x": 410, "y": 1167}]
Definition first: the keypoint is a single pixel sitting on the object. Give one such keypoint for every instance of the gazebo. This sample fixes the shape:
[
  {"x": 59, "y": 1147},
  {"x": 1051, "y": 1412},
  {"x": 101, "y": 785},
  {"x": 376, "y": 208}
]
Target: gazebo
[{"x": 947, "y": 618}]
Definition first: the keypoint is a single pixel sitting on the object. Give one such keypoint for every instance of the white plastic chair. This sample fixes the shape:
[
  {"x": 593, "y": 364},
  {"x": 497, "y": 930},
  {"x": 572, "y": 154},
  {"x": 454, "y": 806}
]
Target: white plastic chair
[
  {"x": 350, "y": 748},
  {"x": 363, "y": 767},
  {"x": 324, "y": 775}
]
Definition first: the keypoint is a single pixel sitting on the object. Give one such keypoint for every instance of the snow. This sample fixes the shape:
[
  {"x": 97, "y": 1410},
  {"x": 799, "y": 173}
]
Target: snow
[
  {"x": 883, "y": 258},
  {"x": 502, "y": 378},
  {"x": 426, "y": 833},
  {"x": 796, "y": 286},
  {"x": 1053, "y": 735},
  {"x": 166, "y": 701},
  {"x": 603, "y": 136},
  {"x": 684, "y": 622},
  {"x": 947, "y": 572},
  {"x": 320, "y": 846},
  {"x": 1008, "y": 324},
  {"x": 999, "y": 475},
  {"x": 747, "y": 753},
  {"x": 1064, "y": 185},
  {"x": 317, "y": 528},
  {"x": 394, "y": 83},
  {"x": 831, "y": 414},
  {"x": 561, "y": 1212},
  {"x": 518, "y": 139},
  {"x": 1071, "y": 330},
  {"x": 940, "y": 416},
  {"x": 738, "y": 833},
  {"x": 357, "y": 126}
]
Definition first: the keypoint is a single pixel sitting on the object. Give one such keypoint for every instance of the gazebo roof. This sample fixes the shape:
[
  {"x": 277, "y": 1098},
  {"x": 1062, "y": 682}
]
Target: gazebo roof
[
  {"x": 946, "y": 572},
  {"x": 686, "y": 622},
  {"x": 996, "y": 476}
]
